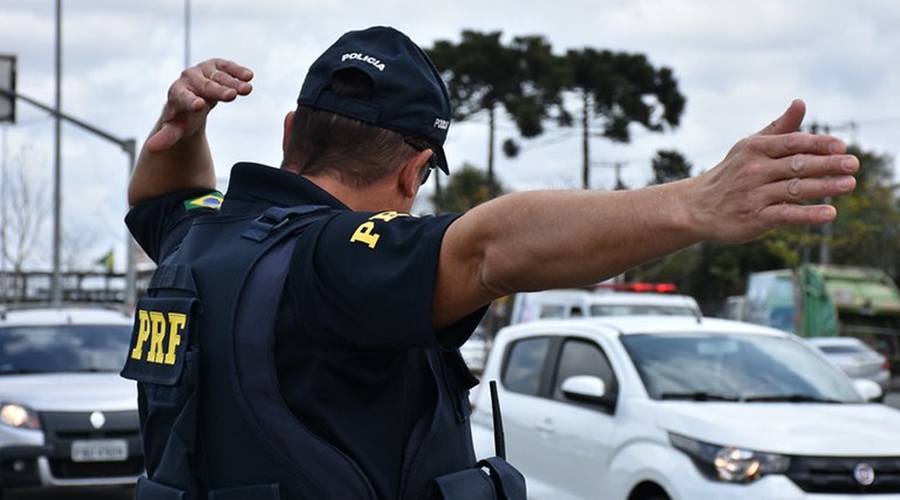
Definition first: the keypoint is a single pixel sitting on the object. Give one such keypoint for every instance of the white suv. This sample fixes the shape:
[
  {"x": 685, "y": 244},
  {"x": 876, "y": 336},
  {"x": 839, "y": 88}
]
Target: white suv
[
  {"x": 576, "y": 303},
  {"x": 679, "y": 408},
  {"x": 66, "y": 416}
]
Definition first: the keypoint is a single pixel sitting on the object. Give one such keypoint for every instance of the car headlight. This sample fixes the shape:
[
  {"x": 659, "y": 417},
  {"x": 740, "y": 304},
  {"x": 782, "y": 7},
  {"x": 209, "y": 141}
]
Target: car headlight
[
  {"x": 21, "y": 417},
  {"x": 730, "y": 463}
]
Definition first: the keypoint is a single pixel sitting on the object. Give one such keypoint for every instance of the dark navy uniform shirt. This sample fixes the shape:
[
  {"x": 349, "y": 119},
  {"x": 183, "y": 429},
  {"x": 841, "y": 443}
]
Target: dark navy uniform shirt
[{"x": 355, "y": 316}]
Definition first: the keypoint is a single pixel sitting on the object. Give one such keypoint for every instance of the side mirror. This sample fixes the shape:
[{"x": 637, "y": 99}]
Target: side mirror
[
  {"x": 585, "y": 389},
  {"x": 869, "y": 390}
]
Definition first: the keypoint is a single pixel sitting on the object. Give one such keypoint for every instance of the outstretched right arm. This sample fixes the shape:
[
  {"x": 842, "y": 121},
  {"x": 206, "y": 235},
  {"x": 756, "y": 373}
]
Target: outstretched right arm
[
  {"x": 556, "y": 239},
  {"x": 176, "y": 154}
]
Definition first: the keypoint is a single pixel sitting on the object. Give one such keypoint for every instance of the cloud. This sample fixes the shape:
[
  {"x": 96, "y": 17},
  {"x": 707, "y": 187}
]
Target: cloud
[{"x": 739, "y": 63}]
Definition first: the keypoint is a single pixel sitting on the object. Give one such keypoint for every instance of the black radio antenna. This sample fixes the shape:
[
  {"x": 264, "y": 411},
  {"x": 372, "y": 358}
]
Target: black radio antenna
[{"x": 499, "y": 440}]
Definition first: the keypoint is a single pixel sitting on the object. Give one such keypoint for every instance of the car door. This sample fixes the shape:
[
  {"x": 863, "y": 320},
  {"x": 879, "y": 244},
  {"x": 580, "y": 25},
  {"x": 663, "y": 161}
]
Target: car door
[
  {"x": 573, "y": 439},
  {"x": 560, "y": 445},
  {"x": 521, "y": 380}
]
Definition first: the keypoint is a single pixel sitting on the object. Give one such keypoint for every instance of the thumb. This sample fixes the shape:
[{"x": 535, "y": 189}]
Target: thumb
[
  {"x": 166, "y": 137},
  {"x": 789, "y": 121}
]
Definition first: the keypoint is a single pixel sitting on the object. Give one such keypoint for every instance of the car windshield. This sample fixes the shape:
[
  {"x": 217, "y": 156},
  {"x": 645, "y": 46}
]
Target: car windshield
[
  {"x": 733, "y": 367},
  {"x": 63, "y": 348}
]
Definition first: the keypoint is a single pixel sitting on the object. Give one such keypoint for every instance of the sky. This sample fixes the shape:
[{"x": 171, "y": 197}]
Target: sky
[{"x": 739, "y": 63}]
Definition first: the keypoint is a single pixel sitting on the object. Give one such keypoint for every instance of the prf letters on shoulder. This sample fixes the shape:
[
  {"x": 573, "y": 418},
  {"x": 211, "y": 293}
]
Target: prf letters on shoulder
[{"x": 365, "y": 233}]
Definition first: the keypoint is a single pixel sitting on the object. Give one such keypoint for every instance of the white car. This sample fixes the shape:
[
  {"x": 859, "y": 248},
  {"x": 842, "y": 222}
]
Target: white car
[
  {"x": 67, "y": 419},
  {"x": 577, "y": 303},
  {"x": 475, "y": 350},
  {"x": 679, "y": 408}
]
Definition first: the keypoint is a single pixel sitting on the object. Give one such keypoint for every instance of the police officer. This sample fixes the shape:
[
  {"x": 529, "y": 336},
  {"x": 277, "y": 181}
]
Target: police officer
[{"x": 375, "y": 301}]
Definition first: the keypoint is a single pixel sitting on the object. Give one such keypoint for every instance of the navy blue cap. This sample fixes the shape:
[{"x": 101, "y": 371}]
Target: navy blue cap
[{"x": 409, "y": 95}]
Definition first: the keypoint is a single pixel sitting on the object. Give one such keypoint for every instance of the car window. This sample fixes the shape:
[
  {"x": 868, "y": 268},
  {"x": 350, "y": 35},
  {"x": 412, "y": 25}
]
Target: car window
[
  {"x": 581, "y": 357},
  {"x": 738, "y": 367},
  {"x": 632, "y": 309},
  {"x": 843, "y": 349},
  {"x": 552, "y": 311},
  {"x": 63, "y": 348},
  {"x": 525, "y": 360}
]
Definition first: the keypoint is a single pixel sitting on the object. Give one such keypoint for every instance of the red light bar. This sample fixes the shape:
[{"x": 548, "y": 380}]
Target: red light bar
[{"x": 639, "y": 287}]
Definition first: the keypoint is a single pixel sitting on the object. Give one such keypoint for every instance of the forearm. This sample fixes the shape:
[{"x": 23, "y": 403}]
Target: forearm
[
  {"x": 187, "y": 164},
  {"x": 176, "y": 154},
  {"x": 554, "y": 239}
]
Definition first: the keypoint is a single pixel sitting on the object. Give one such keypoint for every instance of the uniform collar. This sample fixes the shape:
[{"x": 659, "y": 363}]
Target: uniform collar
[{"x": 253, "y": 184}]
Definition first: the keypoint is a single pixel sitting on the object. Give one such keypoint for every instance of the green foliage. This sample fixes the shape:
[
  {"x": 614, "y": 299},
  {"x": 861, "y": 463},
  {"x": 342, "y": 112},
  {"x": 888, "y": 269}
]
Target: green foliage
[
  {"x": 527, "y": 81},
  {"x": 669, "y": 165},
  {"x": 867, "y": 229},
  {"x": 482, "y": 73},
  {"x": 621, "y": 88},
  {"x": 468, "y": 187},
  {"x": 523, "y": 78}
]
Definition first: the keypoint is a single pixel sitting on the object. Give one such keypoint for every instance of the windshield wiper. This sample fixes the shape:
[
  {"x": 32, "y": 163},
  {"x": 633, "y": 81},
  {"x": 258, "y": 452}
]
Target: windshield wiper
[
  {"x": 789, "y": 398},
  {"x": 697, "y": 396}
]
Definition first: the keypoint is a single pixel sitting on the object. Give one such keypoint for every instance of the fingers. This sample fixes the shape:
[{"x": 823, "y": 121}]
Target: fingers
[
  {"x": 210, "y": 82},
  {"x": 803, "y": 165},
  {"x": 798, "y": 190},
  {"x": 823, "y": 177},
  {"x": 790, "y": 214},
  {"x": 193, "y": 95},
  {"x": 780, "y": 138},
  {"x": 785, "y": 145},
  {"x": 220, "y": 80},
  {"x": 804, "y": 177}
]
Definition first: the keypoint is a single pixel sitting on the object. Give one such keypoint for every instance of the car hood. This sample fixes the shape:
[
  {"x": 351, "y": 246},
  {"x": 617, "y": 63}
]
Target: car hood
[
  {"x": 70, "y": 391},
  {"x": 811, "y": 429}
]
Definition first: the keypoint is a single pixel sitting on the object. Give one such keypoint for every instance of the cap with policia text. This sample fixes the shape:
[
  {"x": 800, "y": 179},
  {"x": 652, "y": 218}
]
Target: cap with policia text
[{"x": 409, "y": 95}]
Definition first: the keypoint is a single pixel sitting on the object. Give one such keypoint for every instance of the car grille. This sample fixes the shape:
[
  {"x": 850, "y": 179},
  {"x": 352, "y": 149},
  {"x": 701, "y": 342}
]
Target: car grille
[
  {"x": 62, "y": 428},
  {"x": 836, "y": 474}
]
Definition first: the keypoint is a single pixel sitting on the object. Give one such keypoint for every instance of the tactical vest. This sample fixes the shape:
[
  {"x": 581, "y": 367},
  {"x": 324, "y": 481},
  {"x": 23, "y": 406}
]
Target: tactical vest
[{"x": 214, "y": 423}]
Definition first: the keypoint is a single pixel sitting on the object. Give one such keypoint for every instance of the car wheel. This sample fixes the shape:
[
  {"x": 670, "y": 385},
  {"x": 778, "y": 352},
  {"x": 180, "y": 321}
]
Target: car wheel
[{"x": 648, "y": 492}]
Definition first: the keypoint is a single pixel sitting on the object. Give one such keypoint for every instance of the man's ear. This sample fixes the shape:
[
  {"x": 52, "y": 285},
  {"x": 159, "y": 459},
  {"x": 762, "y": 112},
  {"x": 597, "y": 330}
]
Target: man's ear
[
  {"x": 411, "y": 173},
  {"x": 288, "y": 125}
]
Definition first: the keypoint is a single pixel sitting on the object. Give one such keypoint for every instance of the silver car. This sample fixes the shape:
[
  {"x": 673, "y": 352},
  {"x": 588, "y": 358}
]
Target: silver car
[
  {"x": 855, "y": 358},
  {"x": 67, "y": 419}
]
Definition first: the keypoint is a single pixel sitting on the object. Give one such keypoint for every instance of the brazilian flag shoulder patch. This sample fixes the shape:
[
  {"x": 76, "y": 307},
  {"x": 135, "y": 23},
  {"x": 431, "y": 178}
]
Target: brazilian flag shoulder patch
[{"x": 212, "y": 200}]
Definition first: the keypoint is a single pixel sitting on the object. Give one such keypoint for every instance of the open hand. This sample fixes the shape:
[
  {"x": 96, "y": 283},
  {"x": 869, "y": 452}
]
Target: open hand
[
  {"x": 193, "y": 95},
  {"x": 767, "y": 179}
]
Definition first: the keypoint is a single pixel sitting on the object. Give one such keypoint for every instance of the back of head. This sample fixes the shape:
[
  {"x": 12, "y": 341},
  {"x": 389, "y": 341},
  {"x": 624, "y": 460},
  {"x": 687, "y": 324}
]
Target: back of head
[{"x": 374, "y": 83}]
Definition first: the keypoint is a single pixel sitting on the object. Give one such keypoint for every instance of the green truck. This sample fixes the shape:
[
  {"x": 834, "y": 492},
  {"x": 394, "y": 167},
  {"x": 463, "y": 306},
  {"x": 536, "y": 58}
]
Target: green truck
[{"x": 826, "y": 301}]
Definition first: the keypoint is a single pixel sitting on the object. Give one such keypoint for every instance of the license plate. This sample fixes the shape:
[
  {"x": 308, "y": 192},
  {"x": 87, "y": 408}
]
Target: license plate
[{"x": 100, "y": 450}]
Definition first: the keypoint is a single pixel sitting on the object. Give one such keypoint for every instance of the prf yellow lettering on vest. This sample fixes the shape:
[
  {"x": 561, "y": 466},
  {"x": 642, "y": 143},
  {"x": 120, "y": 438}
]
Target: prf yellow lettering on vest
[
  {"x": 155, "y": 326},
  {"x": 365, "y": 232}
]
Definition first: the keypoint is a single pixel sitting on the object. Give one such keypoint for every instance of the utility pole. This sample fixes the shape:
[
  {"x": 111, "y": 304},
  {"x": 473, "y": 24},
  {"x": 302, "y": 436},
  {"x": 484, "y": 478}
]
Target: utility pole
[
  {"x": 187, "y": 33},
  {"x": 617, "y": 166},
  {"x": 55, "y": 281},
  {"x": 828, "y": 229}
]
